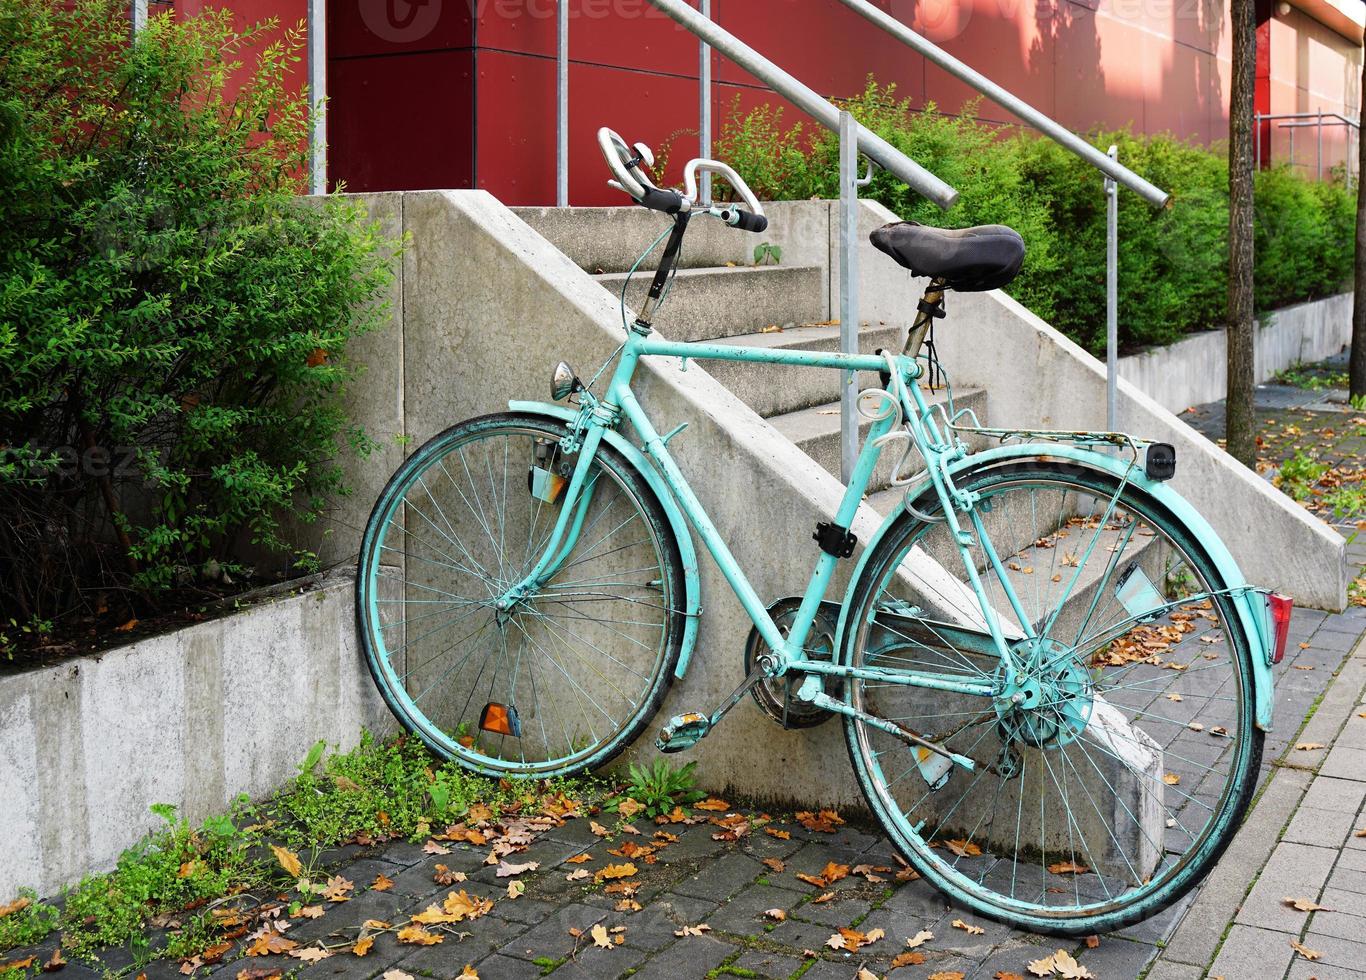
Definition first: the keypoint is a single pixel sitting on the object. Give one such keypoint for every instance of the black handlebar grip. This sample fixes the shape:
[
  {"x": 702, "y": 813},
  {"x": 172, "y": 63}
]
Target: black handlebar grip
[
  {"x": 750, "y": 222},
  {"x": 670, "y": 202}
]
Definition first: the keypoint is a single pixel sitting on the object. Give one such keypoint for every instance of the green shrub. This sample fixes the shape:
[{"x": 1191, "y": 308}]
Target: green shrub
[
  {"x": 1173, "y": 262},
  {"x": 173, "y": 322}
]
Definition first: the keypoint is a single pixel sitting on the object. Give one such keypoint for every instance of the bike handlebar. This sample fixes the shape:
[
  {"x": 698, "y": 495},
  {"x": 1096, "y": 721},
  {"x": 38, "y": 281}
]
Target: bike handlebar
[{"x": 625, "y": 164}]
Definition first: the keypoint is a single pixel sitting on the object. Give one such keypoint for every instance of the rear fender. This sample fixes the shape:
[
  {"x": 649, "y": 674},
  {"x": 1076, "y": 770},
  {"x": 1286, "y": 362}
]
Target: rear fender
[
  {"x": 1249, "y": 602},
  {"x": 682, "y": 533}
]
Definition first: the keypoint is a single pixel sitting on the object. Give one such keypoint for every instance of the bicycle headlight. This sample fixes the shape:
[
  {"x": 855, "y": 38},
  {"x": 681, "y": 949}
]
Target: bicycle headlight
[{"x": 563, "y": 382}]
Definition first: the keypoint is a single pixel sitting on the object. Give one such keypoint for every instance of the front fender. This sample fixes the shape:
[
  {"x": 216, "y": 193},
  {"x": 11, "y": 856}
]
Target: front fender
[
  {"x": 1248, "y": 603},
  {"x": 682, "y": 533}
]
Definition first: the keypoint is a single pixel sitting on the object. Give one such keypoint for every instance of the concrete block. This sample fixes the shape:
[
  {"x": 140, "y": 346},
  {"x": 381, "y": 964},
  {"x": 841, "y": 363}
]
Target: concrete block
[
  {"x": 1295, "y": 870},
  {"x": 710, "y": 304},
  {"x": 1191, "y": 371},
  {"x": 190, "y": 718},
  {"x": 1250, "y": 952}
]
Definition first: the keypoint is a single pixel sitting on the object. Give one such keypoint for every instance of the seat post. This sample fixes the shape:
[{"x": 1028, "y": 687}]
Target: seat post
[{"x": 931, "y": 308}]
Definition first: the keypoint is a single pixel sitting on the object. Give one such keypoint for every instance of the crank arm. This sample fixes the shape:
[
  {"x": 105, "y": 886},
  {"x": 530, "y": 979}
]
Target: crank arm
[
  {"x": 686, "y": 730},
  {"x": 823, "y": 700}
]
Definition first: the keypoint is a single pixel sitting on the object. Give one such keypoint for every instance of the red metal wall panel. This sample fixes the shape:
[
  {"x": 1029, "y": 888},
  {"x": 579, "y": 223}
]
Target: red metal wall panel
[
  {"x": 404, "y": 122},
  {"x": 442, "y": 93}
]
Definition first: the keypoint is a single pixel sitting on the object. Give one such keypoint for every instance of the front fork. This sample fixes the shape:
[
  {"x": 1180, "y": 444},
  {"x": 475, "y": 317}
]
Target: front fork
[{"x": 569, "y": 522}]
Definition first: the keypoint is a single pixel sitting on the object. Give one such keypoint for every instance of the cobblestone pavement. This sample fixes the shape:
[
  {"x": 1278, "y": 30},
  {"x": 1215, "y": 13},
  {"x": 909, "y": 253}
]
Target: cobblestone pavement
[{"x": 707, "y": 905}]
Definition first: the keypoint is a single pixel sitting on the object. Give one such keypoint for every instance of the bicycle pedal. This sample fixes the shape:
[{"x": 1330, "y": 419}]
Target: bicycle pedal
[{"x": 683, "y": 732}]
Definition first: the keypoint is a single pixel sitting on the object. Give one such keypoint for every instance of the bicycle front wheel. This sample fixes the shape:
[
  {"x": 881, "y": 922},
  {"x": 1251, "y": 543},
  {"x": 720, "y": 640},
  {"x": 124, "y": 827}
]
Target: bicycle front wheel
[
  {"x": 1108, "y": 776},
  {"x": 571, "y": 674}
]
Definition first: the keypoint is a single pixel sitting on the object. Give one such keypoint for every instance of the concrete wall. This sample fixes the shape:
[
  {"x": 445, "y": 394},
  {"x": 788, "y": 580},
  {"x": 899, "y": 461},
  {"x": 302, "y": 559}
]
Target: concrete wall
[
  {"x": 1193, "y": 371},
  {"x": 194, "y": 718}
]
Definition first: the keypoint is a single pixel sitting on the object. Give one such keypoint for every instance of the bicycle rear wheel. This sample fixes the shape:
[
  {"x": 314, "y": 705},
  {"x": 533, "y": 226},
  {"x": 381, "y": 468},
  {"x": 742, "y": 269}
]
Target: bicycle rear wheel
[
  {"x": 1107, "y": 782},
  {"x": 570, "y": 676}
]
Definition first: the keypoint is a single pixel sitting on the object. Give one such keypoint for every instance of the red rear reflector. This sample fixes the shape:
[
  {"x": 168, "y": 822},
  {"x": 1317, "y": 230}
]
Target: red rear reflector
[
  {"x": 1280, "y": 606},
  {"x": 501, "y": 719}
]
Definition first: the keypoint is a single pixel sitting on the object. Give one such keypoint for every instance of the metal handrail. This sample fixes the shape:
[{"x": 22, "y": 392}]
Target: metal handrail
[
  {"x": 1305, "y": 120},
  {"x": 1049, "y": 127},
  {"x": 870, "y": 144}
]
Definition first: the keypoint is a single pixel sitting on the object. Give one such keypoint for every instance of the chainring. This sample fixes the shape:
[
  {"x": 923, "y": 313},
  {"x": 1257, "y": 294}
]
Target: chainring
[{"x": 777, "y": 695}]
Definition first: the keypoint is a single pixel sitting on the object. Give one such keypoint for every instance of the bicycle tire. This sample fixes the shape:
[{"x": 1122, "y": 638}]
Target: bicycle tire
[
  {"x": 452, "y": 740},
  {"x": 1166, "y": 887}
]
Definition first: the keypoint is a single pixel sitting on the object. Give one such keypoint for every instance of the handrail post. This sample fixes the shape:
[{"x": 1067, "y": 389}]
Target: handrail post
[
  {"x": 1111, "y": 296},
  {"x": 562, "y": 105},
  {"x": 1318, "y": 137},
  {"x": 849, "y": 315},
  {"x": 317, "y": 96},
  {"x": 704, "y": 101}
]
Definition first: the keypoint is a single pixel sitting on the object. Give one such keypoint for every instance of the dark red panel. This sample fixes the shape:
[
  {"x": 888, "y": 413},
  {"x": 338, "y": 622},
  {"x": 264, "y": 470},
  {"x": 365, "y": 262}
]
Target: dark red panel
[
  {"x": 403, "y": 122},
  {"x": 824, "y": 44},
  {"x": 361, "y": 27},
  {"x": 516, "y": 106},
  {"x": 623, "y": 33}
]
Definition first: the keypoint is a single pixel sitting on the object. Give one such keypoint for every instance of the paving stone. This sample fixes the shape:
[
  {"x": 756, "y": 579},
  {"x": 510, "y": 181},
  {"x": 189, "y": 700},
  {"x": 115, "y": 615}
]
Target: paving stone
[
  {"x": 1163, "y": 970},
  {"x": 525, "y": 910},
  {"x": 1302, "y": 969},
  {"x": 474, "y": 941},
  {"x": 594, "y": 963},
  {"x": 847, "y": 837},
  {"x": 551, "y": 937},
  {"x": 1339, "y": 953},
  {"x": 761, "y": 845},
  {"x": 721, "y": 879},
  {"x": 1324, "y": 639},
  {"x": 545, "y": 851},
  {"x": 693, "y": 844},
  {"x": 794, "y": 934},
  {"x": 1341, "y": 795},
  {"x": 841, "y": 910},
  {"x": 1250, "y": 952},
  {"x": 1200, "y": 930},
  {"x": 1321, "y": 828},
  {"x": 1348, "y": 880},
  {"x": 774, "y": 966},
  {"x": 494, "y": 968},
  {"x": 695, "y": 956},
  {"x": 743, "y": 915},
  {"x": 1295, "y": 870},
  {"x": 654, "y": 926},
  {"x": 417, "y": 881},
  {"x": 1117, "y": 957},
  {"x": 346, "y": 917}
]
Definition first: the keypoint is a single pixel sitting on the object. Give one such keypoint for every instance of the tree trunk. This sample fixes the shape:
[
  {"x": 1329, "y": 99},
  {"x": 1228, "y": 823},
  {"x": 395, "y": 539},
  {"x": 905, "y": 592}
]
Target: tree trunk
[
  {"x": 1240, "y": 434},
  {"x": 1358, "y": 366}
]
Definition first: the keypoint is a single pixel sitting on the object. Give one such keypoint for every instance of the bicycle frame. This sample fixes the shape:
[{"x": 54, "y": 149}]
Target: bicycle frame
[{"x": 939, "y": 450}]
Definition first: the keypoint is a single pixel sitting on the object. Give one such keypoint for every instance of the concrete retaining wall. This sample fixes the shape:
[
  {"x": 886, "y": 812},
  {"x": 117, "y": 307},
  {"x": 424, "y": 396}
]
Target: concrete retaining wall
[
  {"x": 192, "y": 718},
  {"x": 1194, "y": 371}
]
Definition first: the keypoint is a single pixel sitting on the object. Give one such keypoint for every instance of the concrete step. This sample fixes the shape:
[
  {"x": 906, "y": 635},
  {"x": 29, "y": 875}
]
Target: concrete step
[
  {"x": 714, "y": 303},
  {"x": 602, "y": 240},
  {"x": 773, "y": 389},
  {"x": 816, "y": 431}
]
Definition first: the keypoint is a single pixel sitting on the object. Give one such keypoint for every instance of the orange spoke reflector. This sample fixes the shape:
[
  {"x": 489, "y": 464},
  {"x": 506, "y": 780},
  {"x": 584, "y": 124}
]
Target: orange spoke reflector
[{"x": 500, "y": 719}]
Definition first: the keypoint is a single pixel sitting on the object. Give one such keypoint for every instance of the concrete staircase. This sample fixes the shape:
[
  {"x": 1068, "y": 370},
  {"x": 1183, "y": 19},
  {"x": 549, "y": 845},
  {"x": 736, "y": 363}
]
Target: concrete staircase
[{"x": 783, "y": 306}]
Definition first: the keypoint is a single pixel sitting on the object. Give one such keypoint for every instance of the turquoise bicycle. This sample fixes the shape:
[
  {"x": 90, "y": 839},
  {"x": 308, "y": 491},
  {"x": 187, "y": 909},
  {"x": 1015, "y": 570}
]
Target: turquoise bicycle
[{"x": 1053, "y": 680}]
